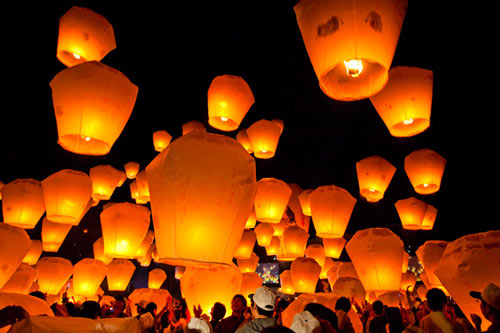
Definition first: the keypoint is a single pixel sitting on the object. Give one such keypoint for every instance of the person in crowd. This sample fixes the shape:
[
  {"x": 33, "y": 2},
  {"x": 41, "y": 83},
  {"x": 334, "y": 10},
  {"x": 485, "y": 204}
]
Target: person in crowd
[
  {"x": 90, "y": 309},
  {"x": 11, "y": 314},
  {"x": 327, "y": 318},
  {"x": 342, "y": 307},
  {"x": 281, "y": 305},
  {"x": 217, "y": 312},
  {"x": 394, "y": 320},
  {"x": 39, "y": 295},
  {"x": 116, "y": 309},
  {"x": 263, "y": 305},
  {"x": 459, "y": 316},
  {"x": 277, "y": 329},
  {"x": 436, "y": 321},
  {"x": 377, "y": 321},
  {"x": 231, "y": 323},
  {"x": 490, "y": 307}
]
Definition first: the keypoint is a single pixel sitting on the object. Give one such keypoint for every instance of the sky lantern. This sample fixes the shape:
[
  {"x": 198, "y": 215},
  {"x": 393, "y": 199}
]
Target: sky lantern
[
  {"x": 280, "y": 123},
  {"x": 104, "y": 178},
  {"x": 201, "y": 223},
  {"x": 271, "y": 199},
  {"x": 145, "y": 244},
  {"x": 84, "y": 35},
  {"x": 279, "y": 228},
  {"x": 161, "y": 140},
  {"x": 282, "y": 255},
  {"x": 243, "y": 138},
  {"x": 411, "y": 211},
  {"x": 273, "y": 248},
  {"x": 429, "y": 255},
  {"x": 248, "y": 265},
  {"x": 179, "y": 271},
  {"x": 325, "y": 268},
  {"x": 252, "y": 220},
  {"x": 264, "y": 233},
  {"x": 332, "y": 273},
  {"x": 264, "y": 136},
  {"x": 287, "y": 283},
  {"x": 331, "y": 208},
  {"x": 405, "y": 102},
  {"x": 53, "y": 273},
  {"x": 157, "y": 296},
  {"x": 53, "y": 235},
  {"x": 193, "y": 125},
  {"x": 92, "y": 104},
  {"x": 301, "y": 220},
  {"x": 406, "y": 262},
  {"x": 305, "y": 274},
  {"x": 20, "y": 282},
  {"x": 425, "y": 169},
  {"x": 249, "y": 283},
  {"x": 305, "y": 203},
  {"x": 295, "y": 241},
  {"x": 2, "y": 184},
  {"x": 34, "y": 253},
  {"x": 119, "y": 273},
  {"x": 146, "y": 260},
  {"x": 377, "y": 255},
  {"x": 349, "y": 287},
  {"x": 143, "y": 194},
  {"x": 98, "y": 248},
  {"x": 347, "y": 269},
  {"x": 134, "y": 194},
  {"x": 122, "y": 178},
  {"x": 429, "y": 218},
  {"x": 131, "y": 169},
  {"x": 14, "y": 245},
  {"x": 334, "y": 246},
  {"x": 374, "y": 175},
  {"x": 156, "y": 278},
  {"x": 317, "y": 252},
  {"x": 23, "y": 203},
  {"x": 229, "y": 99},
  {"x": 408, "y": 279},
  {"x": 88, "y": 275},
  {"x": 124, "y": 226},
  {"x": 247, "y": 243},
  {"x": 351, "y": 44}
]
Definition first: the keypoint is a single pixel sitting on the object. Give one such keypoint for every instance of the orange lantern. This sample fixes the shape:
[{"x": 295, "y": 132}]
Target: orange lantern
[
  {"x": 34, "y": 253},
  {"x": 243, "y": 138},
  {"x": 332, "y": 273},
  {"x": 331, "y": 208},
  {"x": 20, "y": 282},
  {"x": 145, "y": 244},
  {"x": 301, "y": 220},
  {"x": 264, "y": 136},
  {"x": 329, "y": 263},
  {"x": 88, "y": 275},
  {"x": 305, "y": 274},
  {"x": 156, "y": 278},
  {"x": 179, "y": 271},
  {"x": 105, "y": 179},
  {"x": 84, "y": 36},
  {"x": 122, "y": 178},
  {"x": 429, "y": 218},
  {"x": 279, "y": 228},
  {"x": 295, "y": 241},
  {"x": 252, "y": 220},
  {"x": 429, "y": 255},
  {"x": 264, "y": 233},
  {"x": 248, "y": 265},
  {"x": 349, "y": 287},
  {"x": 92, "y": 103},
  {"x": 146, "y": 295},
  {"x": 161, "y": 140},
  {"x": 119, "y": 273},
  {"x": 374, "y": 175},
  {"x": 411, "y": 212},
  {"x": 247, "y": 243},
  {"x": 23, "y": 203},
  {"x": 98, "y": 248},
  {"x": 280, "y": 123},
  {"x": 406, "y": 262},
  {"x": 351, "y": 44},
  {"x": 408, "y": 279},
  {"x": 142, "y": 187},
  {"x": 273, "y": 247},
  {"x": 193, "y": 125},
  {"x": 146, "y": 260},
  {"x": 334, "y": 246},
  {"x": 287, "y": 282},
  {"x": 229, "y": 99},
  {"x": 124, "y": 226},
  {"x": 377, "y": 255},
  {"x": 14, "y": 245},
  {"x": 282, "y": 255},
  {"x": 53, "y": 235},
  {"x": 271, "y": 199},
  {"x": 2, "y": 184},
  {"x": 201, "y": 223},
  {"x": 134, "y": 193},
  {"x": 250, "y": 282},
  {"x": 131, "y": 169},
  {"x": 425, "y": 169},
  {"x": 53, "y": 273},
  {"x": 347, "y": 269},
  {"x": 305, "y": 203},
  {"x": 316, "y": 252}
]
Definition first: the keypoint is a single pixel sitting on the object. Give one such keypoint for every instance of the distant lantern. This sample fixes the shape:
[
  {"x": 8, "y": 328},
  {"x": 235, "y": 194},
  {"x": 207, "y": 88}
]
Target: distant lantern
[
  {"x": 243, "y": 138},
  {"x": 53, "y": 273},
  {"x": 273, "y": 248},
  {"x": 20, "y": 282},
  {"x": 349, "y": 287},
  {"x": 98, "y": 248},
  {"x": 334, "y": 246},
  {"x": 406, "y": 262},
  {"x": 301, "y": 220},
  {"x": 351, "y": 44},
  {"x": 161, "y": 140},
  {"x": 105, "y": 179},
  {"x": 179, "y": 271},
  {"x": 88, "y": 275},
  {"x": 329, "y": 263},
  {"x": 271, "y": 199},
  {"x": 279, "y": 228},
  {"x": 331, "y": 208},
  {"x": 264, "y": 233},
  {"x": 156, "y": 278},
  {"x": 67, "y": 194},
  {"x": 429, "y": 255},
  {"x": 143, "y": 194},
  {"x": 305, "y": 274},
  {"x": 201, "y": 223},
  {"x": 317, "y": 252},
  {"x": 53, "y": 235},
  {"x": 377, "y": 255},
  {"x": 14, "y": 245},
  {"x": 332, "y": 273},
  {"x": 124, "y": 226},
  {"x": 119, "y": 273},
  {"x": 280, "y": 123},
  {"x": 134, "y": 194},
  {"x": 229, "y": 99},
  {"x": 84, "y": 35},
  {"x": 248, "y": 265},
  {"x": 252, "y": 220},
  {"x": 34, "y": 253},
  {"x": 193, "y": 125},
  {"x": 411, "y": 212},
  {"x": 143, "y": 249},
  {"x": 146, "y": 260},
  {"x": 374, "y": 175},
  {"x": 132, "y": 169},
  {"x": 295, "y": 241},
  {"x": 2, "y": 184},
  {"x": 122, "y": 178},
  {"x": 264, "y": 136},
  {"x": 23, "y": 203},
  {"x": 347, "y": 269},
  {"x": 425, "y": 169},
  {"x": 305, "y": 202},
  {"x": 249, "y": 283},
  {"x": 408, "y": 279},
  {"x": 429, "y": 218},
  {"x": 405, "y": 102},
  {"x": 247, "y": 243},
  {"x": 287, "y": 283},
  {"x": 92, "y": 104}
]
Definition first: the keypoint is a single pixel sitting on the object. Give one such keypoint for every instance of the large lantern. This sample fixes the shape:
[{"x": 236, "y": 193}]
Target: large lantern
[
  {"x": 351, "y": 44},
  {"x": 92, "y": 103},
  {"x": 264, "y": 136},
  {"x": 248, "y": 265},
  {"x": 317, "y": 252},
  {"x": 20, "y": 282},
  {"x": 53, "y": 273},
  {"x": 132, "y": 169},
  {"x": 295, "y": 241},
  {"x": 252, "y": 220},
  {"x": 156, "y": 278},
  {"x": 405, "y": 102},
  {"x": 374, "y": 175},
  {"x": 349, "y": 287},
  {"x": 243, "y": 138},
  {"x": 250, "y": 282},
  {"x": 53, "y": 235},
  {"x": 332, "y": 273},
  {"x": 23, "y": 203},
  {"x": 14, "y": 245},
  {"x": 104, "y": 178},
  {"x": 408, "y": 279},
  {"x": 119, "y": 273},
  {"x": 161, "y": 140},
  {"x": 287, "y": 282},
  {"x": 264, "y": 233},
  {"x": 273, "y": 248},
  {"x": 305, "y": 274},
  {"x": 247, "y": 243},
  {"x": 229, "y": 99},
  {"x": 305, "y": 203},
  {"x": 98, "y": 248},
  {"x": 347, "y": 269},
  {"x": 429, "y": 218},
  {"x": 145, "y": 244},
  {"x": 193, "y": 125},
  {"x": 279, "y": 228},
  {"x": 34, "y": 253},
  {"x": 425, "y": 169},
  {"x": 411, "y": 212},
  {"x": 334, "y": 246},
  {"x": 88, "y": 275},
  {"x": 429, "y": 255},
  {"x": 271, "y": 199},
  {"x": 331, "y": 209},
  {"x": 202, "y": 191}
]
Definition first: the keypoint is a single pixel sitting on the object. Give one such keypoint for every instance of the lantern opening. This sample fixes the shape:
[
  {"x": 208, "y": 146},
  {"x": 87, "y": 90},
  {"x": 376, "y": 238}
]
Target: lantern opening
[
  {"x": 86, "y": 145},
  {"x": 408, "y": 121},
  {"x": 224, "y": 119},
  {"x": 354, "y": 67},
  {"x": 77, "y": 56}
]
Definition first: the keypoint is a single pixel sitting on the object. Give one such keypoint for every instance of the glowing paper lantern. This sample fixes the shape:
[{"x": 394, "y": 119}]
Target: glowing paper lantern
[
  {"x": 53, "y": 235},
  {"x": 249, "y": 283},
  {"x": 331, "y": 208},
  {"x": 243, "y": 138},
  {"x": 14, "y": 245},
  {"x": 334, "y": 246},
  {"x": 280, "y": 123},
  {"x": 92, "y": 104},
  {"x": 305, "y": 203},
  {"x": 332, "y": 273},
  {"x": 119, "y": 273},
  {"x": 21, "y": 281},
  {"x": 179, "y": 271},
  {"x": 53, "y": 273},
  {"x": 88, "y": 275},
  {"x": 271, "y": 199},
  {"x": 329, "y": 263},
  {"x": 161, "y": 140},
  {"x": 252, "y": 220},
  {"x": 23, "y": 203},
  {"x": 393, "y": 299},
  {"x": 317, "y": 252},
  {"x": 193, "y": 125},
  {"x": 425, "y": 169},
  {"x": 408, "y": 279},
  {"x": 145, "y": 244},
  {"x": 351, "y": 44},
  {"x": 287, "y": 282},
  {"x": 347, "y": 269},
  {"x": 142, "y": 186},
  {"x": 248, "y": 265},
  {"x": 146, "y": 260},
  {"x": 105, "y": 179},
  {"x": 264, "y": 136},
  {"x": 273, "y": 248},
  {"x": 98, "y": 248},
  {"x": 247, "y": 243},
  {"x": 349, "y": 287},
  {"x": 282, "y": 255},
  {"x": 429, "y": 255},
  {"x": 229, "y": 99},
  {"x": 301, "y": 220},
  {"x": 429, "y": 218},
  {"x": 406, "y": 262},
  {"x": 295, "y": 241},
  {"x": 131, "y": 169},
  {"x": 305, "y": 274},
  {"x": 264, "y": 233},
  {"x": 411, "y": 211},
  {"x": 279, "y": 228},
  {"x": 157, "y": 296},
  {"x": 156, "y": 278},
  {"x": 377, "y": 255},
  {"x": 405, "y": 102},
  {"x": 2, "y": 184},
  {"x": 34, "y": 253},
  {"x": 374, "y": 175},
  {"x": 212, "y": 209}
]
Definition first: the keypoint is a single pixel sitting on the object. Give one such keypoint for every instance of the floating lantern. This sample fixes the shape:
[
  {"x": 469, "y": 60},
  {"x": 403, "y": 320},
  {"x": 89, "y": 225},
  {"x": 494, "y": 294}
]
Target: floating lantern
[
  {"x": 295, "y": 241},
  {"x": 14, "y": 245},
  {"x": 279, "y": 228},
  {"x": 349, "y": 287},
  {"x": 250, "y": 282},
  {"x": 161, "y": 140},
  {"x": 264, "y": 136},
  {"x": 252, "y": 220},
  {"x": 247, "y": 243},
  {"x": 2, "y": 184},
  {"x": 229, "y": 99},
  {"x": 305, "y": 203},
  {"x": 23, "y": 203},
  {"x": 193, "y": 125},
  {"x": 425, "y": 169},
  {"x": 374, "y": 175},
  {"x": 179, "y": 271},
  {"x": 273, "y": 248},
  {"x": 119, "y": 273},
  {"x": 317, "y": 252},
  {"x": 105, "y": 179},
  {"x": 280, "y": 123},
  {"x": 411, "y": 211},
  {"x": 332, "y": 273},
  {"x": 88, "y": 275},
  {"x": 34, "y": 253},
  {"x": 282, "y": 255},
  {"x": 429, "y": 218},
  {"x": 53, "y": 273},
  {"x": 405, "y": 102},
  {"x": 287, "y": 282},
  {"x": 21, "y": 281},
  {"x": 271, "y": 199},
  {"x": 132, "y": 169},
  {"x": 347, "y": 269},
  {"x": 92, "y": 104},
  {"x": 334, "y": 246},
  {"x": 264, "y": 233},
  {"x": 201, "y": 223},
  {"x": 243, "y": 138},
  {"x": 142, "y": 187},
  {"x": 146, "y": 260},
  {"x": 406, "y": 262},
  {"x": 147, "y": 295},
  {"x": 393, "y": 299},
  {"x": 408, "y": 279},
  {"x": 429, "y": 255},
  {"x": 301, "y": 220},
  {"x": 329, "y": 263},
  {"x": 156, "y": 278},
  {"x": 351, "y": 44},
  {"x": 305, "y": 274},
  {"x": 98, "y": 248},
  {"x": 53, "y": 235},
  {"x": 145, "y": 244},
  {"x": 248, "y": 265},
  {"x": 122, "y": 178}
]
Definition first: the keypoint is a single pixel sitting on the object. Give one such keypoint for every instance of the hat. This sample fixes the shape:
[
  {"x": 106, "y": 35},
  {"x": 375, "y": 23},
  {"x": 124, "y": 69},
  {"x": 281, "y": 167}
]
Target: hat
[
  {"x": 490, "y": 295},
  {"x": 198, "y": 325},
  {"x": 305, "y": 322},
  {"x": 264, "y": 298},
  {"x": 142, "y": 304},
  {"x": 146, "y": 321}
]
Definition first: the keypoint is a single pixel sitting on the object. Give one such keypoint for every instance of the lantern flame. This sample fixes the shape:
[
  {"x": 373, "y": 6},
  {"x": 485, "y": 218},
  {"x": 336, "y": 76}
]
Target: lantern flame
[
  {"x": 408, "y": 121},
  {"x": 354, "y": 67},
  {"x": 77, "y": 56},
  {"x": 224, "y": 119}
]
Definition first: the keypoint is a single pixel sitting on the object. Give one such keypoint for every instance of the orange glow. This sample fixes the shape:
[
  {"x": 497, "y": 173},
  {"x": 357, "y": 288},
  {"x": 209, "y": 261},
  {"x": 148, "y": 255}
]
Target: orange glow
[
  {"x": 248, "y": 265},
  {"x": 161, "y": 140},
  {"x": 349, "y": 287},
  {"x": 20, "y": 282},
  {"x": 273, "y": 247},
  {"x": 295, "y": 241},
  {"x": 429, "y": 218},
  {"x": 247, "y": 243},
  {"x": 34, "y": 253},
  {"x": 2, "y": 184},
  {"x": 53, "y": 273},
  {"x": 252, "y": 220},
  {"x": 334, "y": 246},
  {"x": 131, "y": 169},
  {"x": 305, "y": 202},
  {"x": 156, "y": 278},
  {"x": 406, "y": 262},
  {"x": 411, "y": 212},
  {"x": 280, "y": 123},
  {"x": 271, "y": 199},
  {"x": 119, "y": 273},
  {"x": 325, "y": 268},
  {"x": 279, "y": 228},
  {"x": 249, "y": 283},
  {"x": 105, "y": 179},
  {"x": 142, "y": 187},
  {"x": 374, "y": 175},
  {"x": 14, "y": 245},
  {"x": 264, "y": 233},
  {"x": 301, "y": 220},
  {"x": 429, "y": 255},
  {"x": 98, "y": 248},
  {"x": 23, "y": 203},
  {"x": 408, "y": 279},
  {"x": 354, "y": 67},
  {"x": 332, "y": 273},
  {"x": 193, "y": 125},
  {"x": 53, "y": 235},
  {"x": 316, "y": 252},
  {"x": 264, "y": 136},
  {"x": 243, "y": 138},
  {"x": 179, "y": 271},
  {"x": 347, "y": 269},
  {"x": 145, "y": 244},
  {"x": 305, "y": 274},
  {"x": 88, "y": 275},
  {"x": 425, "y": 169},
  {"x": 287, "y": 283}
]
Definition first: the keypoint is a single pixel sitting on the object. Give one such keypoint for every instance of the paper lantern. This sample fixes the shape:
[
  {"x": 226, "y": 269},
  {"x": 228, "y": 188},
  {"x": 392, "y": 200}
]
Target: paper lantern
[
  {"x": 349, "y": 287},
  {"x": 305, "y": 203},
  {"x": 88, "y": 275},
  {"x": 199, "y": 212},
  {"x": 429, "y": 255},
  {"x": 273, "y": 248},
  {"x": 405, "y": 102},
  {"x": 351, "y": 44},
  {"x": 2, "y": 184},
  {"x": 23, "y": 203},
  {"x": 105, "y": 179},
  {"x": 264, "y": 136},
  {"x": 124, "y": 226},
  {"x": 282, "y": 255},
  {"x": 147, "y": 295},
  {"x": 347, "y": 269},
  {"x": 280, "y": 123},
  {"x": 429, "y": 218},
  {"x": 286, "y": 283},
  {"x": 243, "y": 138},
  {"x": 279, "y": 228},
  {"x": 271, "y": 199},
  {"x": 98, "y": 248},
  {"x": 377, "y": 255},
  {"x": 53, "y": 273},
  {"x": 264, "y": 233},
  {"x": 229, "y": 99},
  {"x": 334, "y": 246},
  {"x": 53, "y": 235},
  {"x": 34, "y": 306},
  {"x": 316, "y": 252},
  {"x": 329, "y": 263},
  {"x": 301, "y": 220},
  {"x": 374, "y": 175},
  {"x": 295, "y": 241},
  {"x": 248, "y": 265},
  {"x": 332, "y": 273},
  {"x": 146, "y": 260},
  {"x": 161, "y": 140},
  {"x": 305, "y": 274},
  {"x": 92, "y": 104},
  {"x": 250, "y": 282},
  {"x": 247, "y": 243},
  {"x": 119, "y": 273},
  {"x": 425, "y": 169},
  {"x": 252, "y": 220},
  {"x": 406, "y": 262},
  {"x": 21, "y": 281},
  {"x": 34, "y": 253},
  {"x": 193, "y": 125},
  {"x": 84, "y": 36},
  {"x": 411, "y": 211},
  {"x": 131, "y": 169},
  {"x": 422, "y": 292},
  {"x": 122, "y": 178},
  {"x": 179, "y": 271},
  {"x": 145, "y": 244},
  {"x": 156, "y": 278},
  {"x": 331, "y": 208},
  {"x": 143, "y": 193},
  {"x": 14, "y": 245},
  {"x": 393, "y": 299},
  {"x": 408, "y": 279}
]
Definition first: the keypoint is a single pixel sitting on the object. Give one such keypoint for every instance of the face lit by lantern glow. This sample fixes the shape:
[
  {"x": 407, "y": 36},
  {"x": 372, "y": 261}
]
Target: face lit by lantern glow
[
  {"x": 408, "y": 121},
  {"x": 354, "y": 67}
]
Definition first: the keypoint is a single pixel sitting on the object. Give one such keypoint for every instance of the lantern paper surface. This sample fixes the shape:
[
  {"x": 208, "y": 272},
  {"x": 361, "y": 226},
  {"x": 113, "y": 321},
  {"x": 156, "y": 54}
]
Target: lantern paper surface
[
  {"x": 248, "y": 265},
  {"x": 179, "y": 271},
  {"x": 98, "y": 248},
  {"x": 250, "y": 281},
  {"x": 406, "y": 262},
  {"x": 301, "y": 220},
  {"x": 280, "y": 123},
  {"x": 34, "y": 253},
  {"x": 264, "y": 233},
  {"x": 21, "y": 281},
  {"x": 287, "y": 283},
  {"x": 429, "y": 218},
  {"x": 53, "y": 273},
  {"x": 264, "y": 136},
  {"x": 243, "y": 138},
  {"x": 145, "y": 244},
  {"x": 193, "y": 125},
  {"x": 332, "y": 273},
  {"x": 23, "y": 203},
  {"x": 53, "y": 234},
  {"x": 142, "y": 185},
  {"x": 305, "y": 274},
  {"x": 105, "y": 179},
  {"x": 282, "y": 255},
  {"x": 374, "y": 175},
  {"x": 271, "y": 199},
  {"x": 349, "y": 287},
  {"x": 273, "y": 247},
  {"x": 88, "y": 275},
  {"x": 161, "y": 140},
  {"x": 329, "y": 263},
  {"x": 334, "y": 246},
  {"x": 295, "y": 241},
  {"x": 2, "y": 184},
  {"x": 305, "y": 203},
  {"x": 317, "y": 252},
  {"x": 408, "y": 279},
  {"x": 411, "y": 211},
  {"x": 252, "y": 220},
  {"x": 156, "y": 278},
  {"x": 131, "y": 169},
  {"x": 157, "y": 296},
  {"x": 122, "y": 177},
  {"x": 247, "y": 243},
  {"x": 279, "y": 228},
  {"x": 429, "y": 255},
  {"x": 347, "y": 269},
  {"x": 14, "y": 245},
  {"x": 119, "y": 273},
  {"x": 425, "y": 169}
]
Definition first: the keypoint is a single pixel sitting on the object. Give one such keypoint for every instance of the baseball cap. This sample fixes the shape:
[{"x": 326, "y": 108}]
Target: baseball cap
[
  {"x": 198, "y": 325},
  {"x": 264, "y": 298},
  {"x": 490, "y": 295},
  {"x": 305, "y": 322}
]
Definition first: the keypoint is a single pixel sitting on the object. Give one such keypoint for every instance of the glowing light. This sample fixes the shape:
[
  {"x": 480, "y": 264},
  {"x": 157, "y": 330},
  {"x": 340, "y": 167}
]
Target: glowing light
[
  {"x": 77, "y": 56},
  {"x": 425, "y": 185},
  {"x": 223, "y": 104},
  {"x": 263, "y": 151},
  {"x": 224, "y": 118},
  {"x": 354, "y": 67},
  {"x": 408, "y": 121}
]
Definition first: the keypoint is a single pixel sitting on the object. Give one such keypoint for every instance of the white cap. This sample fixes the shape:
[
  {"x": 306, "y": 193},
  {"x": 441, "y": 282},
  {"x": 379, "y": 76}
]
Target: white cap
[
  {"x": 490, "y": 295},
  {"x": 305, "y": 322},
  {"x": 264, "y": 298},
  {"x": 198, "y": 325}
]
